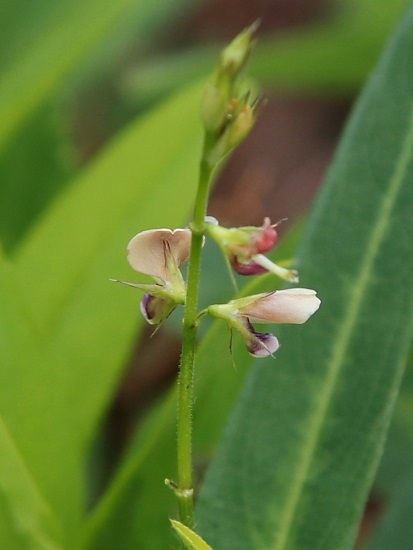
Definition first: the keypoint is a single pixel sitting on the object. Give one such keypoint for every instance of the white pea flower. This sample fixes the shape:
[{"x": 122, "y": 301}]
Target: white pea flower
[
  {"x": 159, "y": 253},
  {"x": 294, "y": 305}
]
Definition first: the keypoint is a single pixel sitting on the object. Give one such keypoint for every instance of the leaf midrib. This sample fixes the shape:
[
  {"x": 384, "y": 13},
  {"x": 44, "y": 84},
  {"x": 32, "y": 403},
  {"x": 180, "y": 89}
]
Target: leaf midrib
[{"x": 339, "y": 350}]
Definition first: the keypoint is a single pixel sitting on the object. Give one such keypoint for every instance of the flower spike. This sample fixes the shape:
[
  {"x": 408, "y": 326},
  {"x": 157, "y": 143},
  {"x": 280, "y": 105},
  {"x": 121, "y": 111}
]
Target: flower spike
[{"x": 293, "y": 306}]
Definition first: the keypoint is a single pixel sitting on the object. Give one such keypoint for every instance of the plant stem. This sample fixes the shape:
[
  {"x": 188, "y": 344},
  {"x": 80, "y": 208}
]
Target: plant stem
[{"x": 184, "y": 490}]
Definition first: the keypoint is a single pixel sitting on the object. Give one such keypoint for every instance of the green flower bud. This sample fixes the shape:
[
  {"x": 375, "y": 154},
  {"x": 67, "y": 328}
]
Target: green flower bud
[
  {"x": 235, "y": 56},
  {"x": 234, "y": 133},
  {"x": 222, "y": 88},
  {"x": 214, "y": 106}
]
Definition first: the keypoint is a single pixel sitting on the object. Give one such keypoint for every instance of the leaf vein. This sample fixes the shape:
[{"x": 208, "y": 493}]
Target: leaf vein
[{"x": 347, "y": 326}]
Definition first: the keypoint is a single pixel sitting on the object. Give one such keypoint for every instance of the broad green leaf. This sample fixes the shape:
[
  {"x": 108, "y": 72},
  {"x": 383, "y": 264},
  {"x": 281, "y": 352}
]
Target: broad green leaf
[
  {"x": 189, "y": 537},
  {"x": 36, "y": 409},
  {"x": 144, "y": 179},
  {"x": 395, "y": 465},
  {"x": 393, "y": 484},
  {"x": 26, "y": 520},
  {"x": 47, "y": 48},
  {"x": 65, "y": 329},
  {"x": 33, "y": 170},
  {"x": 303, "y": 445}
]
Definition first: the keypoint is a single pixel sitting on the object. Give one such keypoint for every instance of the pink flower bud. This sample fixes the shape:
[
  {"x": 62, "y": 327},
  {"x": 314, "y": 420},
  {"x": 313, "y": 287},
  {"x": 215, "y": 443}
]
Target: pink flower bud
[
  {"x": 266, "y": 238},
  {"x": 244, "y": 246}
]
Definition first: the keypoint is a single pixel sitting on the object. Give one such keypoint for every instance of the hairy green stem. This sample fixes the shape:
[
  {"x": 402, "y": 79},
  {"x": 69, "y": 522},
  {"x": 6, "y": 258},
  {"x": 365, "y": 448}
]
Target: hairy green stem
[{"x": 184, "y": 490}]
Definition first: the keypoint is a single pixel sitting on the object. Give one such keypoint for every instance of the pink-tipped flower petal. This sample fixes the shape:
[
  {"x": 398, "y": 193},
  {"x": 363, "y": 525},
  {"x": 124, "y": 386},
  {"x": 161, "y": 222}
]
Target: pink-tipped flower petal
[
  {"x": 248, "y": 268},
  {"x": 294, "y": 305},
  {"x": 147, "y": 251}
]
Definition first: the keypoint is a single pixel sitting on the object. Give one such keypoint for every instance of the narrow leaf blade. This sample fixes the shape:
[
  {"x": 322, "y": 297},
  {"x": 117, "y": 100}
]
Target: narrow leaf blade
[{"x": 310, "y": 428}]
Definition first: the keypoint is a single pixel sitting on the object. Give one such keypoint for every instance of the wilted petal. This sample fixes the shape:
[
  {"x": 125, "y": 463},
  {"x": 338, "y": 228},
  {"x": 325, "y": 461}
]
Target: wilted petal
[
  {"x": 155, "y": 309},
  {"x": 147, "y": 251},
  {"x": 294, "y": 305}
]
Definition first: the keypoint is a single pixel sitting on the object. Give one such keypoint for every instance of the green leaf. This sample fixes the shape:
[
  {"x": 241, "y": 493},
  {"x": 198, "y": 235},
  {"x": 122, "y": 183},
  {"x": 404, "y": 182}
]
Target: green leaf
[
  {"x": 65, "y": 329},
  {"x": 33, "y": 171},
  {"x": 30, "y": 524},
  {"x": 395, "y": 465},
  {"x": 393, "y": 486},
  {"x": 36, "y": 409},
  {"x": 302, "y": 447},
  {"x": 189, "y": 537},
  {"x": 144, "y": 179},
  {"x": 46, "y": 46}
]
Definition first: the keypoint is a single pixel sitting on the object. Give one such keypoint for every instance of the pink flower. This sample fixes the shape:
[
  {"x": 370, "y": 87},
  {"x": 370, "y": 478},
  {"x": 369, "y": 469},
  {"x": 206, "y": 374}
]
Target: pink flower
[
  {"x": 245, "y": 247},
  {"x": 294, "y": 305},
  {"x": 159, "y": 253}
]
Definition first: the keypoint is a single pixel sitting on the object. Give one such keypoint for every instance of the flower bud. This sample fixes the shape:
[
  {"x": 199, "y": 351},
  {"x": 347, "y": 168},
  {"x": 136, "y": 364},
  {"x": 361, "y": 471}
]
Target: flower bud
[
  {"x": 222, "y": 88},
  {"x": 243, "y": 246},
  {"x": 214, "y": 106},
  {"x": 237, "y": 129},
  {"x": 235, "y": 56}
]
